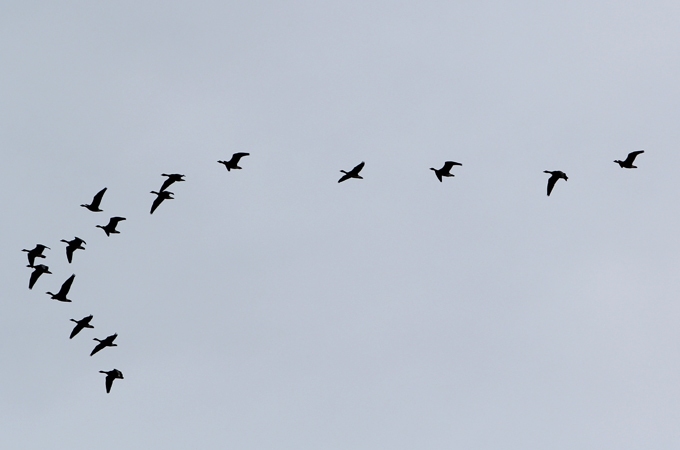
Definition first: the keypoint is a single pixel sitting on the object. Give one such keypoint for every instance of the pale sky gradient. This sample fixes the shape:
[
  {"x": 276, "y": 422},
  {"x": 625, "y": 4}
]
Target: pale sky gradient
[{"x": 273, "y": 308}]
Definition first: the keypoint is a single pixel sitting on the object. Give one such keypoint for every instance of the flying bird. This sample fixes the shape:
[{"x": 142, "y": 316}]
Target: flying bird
[
  {"x": 63, "y": 292},
  {"x": 94, "y": 206},
  {"x": 554, "y": 176},
  {"x": 630, "y": 159},
  {"x": 36, "y": 252},
  {"x": 108, "y": 342},
  {"x": 233, "y": 162},
  {"x": 160, "y": 196},
  {"x": 110, "y": 228},
  {"x": 72, "y": 246},
  {"x": 80, "y": 324},
  {"x": 37, "y": 271},
  {"x": 354, "y": 173},
  {"x": 172, "y": 178},
  {"x": 110, "y": 376},
  {"x": 446, "y": 170}
]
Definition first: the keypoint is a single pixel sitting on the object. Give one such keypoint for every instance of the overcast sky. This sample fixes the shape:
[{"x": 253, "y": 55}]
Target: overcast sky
[{"x": 273, "y": 308}]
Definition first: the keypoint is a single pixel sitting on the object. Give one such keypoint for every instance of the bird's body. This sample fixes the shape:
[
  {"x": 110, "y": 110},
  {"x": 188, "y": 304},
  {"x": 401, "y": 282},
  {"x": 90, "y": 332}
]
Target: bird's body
[
  {"x": 94, "y": 206},
  {"x": 63, "y": 292},
  {"x": 37, "y": 271},
  {"x": 554, "y": 176},
  {"x": 72, "y": 246},
  {"x": 108, "y": 342},
  {"x": 233, "y": 162},
  {"x": 110, "y": 376},
  {"x": 110, "y": 228},
  {"x": 80, "y": 324},
  {"x": 630, "y": 159},
  {"x": 354, "y": 173},
  {"x": 172, "y": 178},
  {"x": 36, "y": 252},
  {"x": 445, "y": 171},
  {"x": 160, "y": 196}
]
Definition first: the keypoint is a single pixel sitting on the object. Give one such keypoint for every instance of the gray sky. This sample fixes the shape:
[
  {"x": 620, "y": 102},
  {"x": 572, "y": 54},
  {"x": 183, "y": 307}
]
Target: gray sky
[{"x": 271, "y": 308}]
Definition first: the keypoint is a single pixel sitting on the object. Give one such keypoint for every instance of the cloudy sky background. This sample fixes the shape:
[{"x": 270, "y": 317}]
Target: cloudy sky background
[{"x": 271, "y": 308}]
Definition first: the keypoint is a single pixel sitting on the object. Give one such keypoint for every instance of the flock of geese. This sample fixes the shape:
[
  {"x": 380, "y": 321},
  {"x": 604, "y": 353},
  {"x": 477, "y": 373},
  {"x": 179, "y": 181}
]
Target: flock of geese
[{"x": 163, "y": 194}]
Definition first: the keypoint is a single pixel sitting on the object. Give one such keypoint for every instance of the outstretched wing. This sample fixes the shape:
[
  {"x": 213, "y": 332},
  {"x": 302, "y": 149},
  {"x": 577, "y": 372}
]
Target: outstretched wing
[
  {"x": 237, "y": 156},
  {"x": 34, "y": 277},
  {"x": 155, "y": 204},
  {"x": 344, "y": 178},
  {"x": 66, "y": 286},
  {"x": 109, "y": 381},
  {"x": 551, "y": 183},
  {"x": 167, "y": 183},
  {"x": 98, "y": 198},
  {"x": 77, "y": 329},
  {"x": 448, "y": 165},
  {"x": 357, "y": 169},
  {"x": 97, "y": 347},
  {"x": 69, "y": 253},
  {"x": 632, "y": 155},
  {"x": 115, "y": 220}
]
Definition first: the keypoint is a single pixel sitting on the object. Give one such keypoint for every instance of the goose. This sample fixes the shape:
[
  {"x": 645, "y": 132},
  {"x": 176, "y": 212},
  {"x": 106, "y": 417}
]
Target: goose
[
  {"x": 108, "y": 342},
  {"x": 80, "y": 324},
  {"x": 162, "y": 195},
  {"x": 110, "y": 376},
  {"x": 354, "y": 173},
  {"x": 63, "y": 292},
  {"x": 72, "y": 246},
  {"x": 233, "y": 162},
  {"x": 172, "y": 178},
  {"x": 110, "y": 228},
  {"x": 37, "y": 271},
  {"x": 554, "y": 176},
  {"x": 94, "y": 206},
  {"x": 35, "y": 253},
  {"x": 446, "y": 170},
  {"x": 630, "y": 159}
]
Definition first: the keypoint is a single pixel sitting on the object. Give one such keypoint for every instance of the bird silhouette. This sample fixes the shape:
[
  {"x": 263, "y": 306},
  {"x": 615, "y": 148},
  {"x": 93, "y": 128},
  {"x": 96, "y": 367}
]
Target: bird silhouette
[
  {"x": 80, "y": 324},
  {"x": 35, "y": 253},
  {"x": 233, "y": 162},
  {"x": 446, "y": 170},
  {"x": 354, "y": 173},
  {"x": 110, "y": 376},
  {"x": 630, "y": 159},
  {"x": 172, "y": 178},
  {"x": 94, "y": 206},
  {"x": 110, "y": 228},
  {"x": 37, "y": 271},
  {"x": 160, "y": 196},
  {"x": 554, "y": 176},
  {"x": 108, "y": 342},
  {"x": 63, "y": 292},
  {"x": 72, "y": 246}
]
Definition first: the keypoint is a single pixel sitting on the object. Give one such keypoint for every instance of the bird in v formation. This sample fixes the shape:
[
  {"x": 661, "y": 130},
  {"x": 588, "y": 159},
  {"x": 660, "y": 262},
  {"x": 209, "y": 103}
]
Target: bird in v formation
[{"x": 162, "y": 195}]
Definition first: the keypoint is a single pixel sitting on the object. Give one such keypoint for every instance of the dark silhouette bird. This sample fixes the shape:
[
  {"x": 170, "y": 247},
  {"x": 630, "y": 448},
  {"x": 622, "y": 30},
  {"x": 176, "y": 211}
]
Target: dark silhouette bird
[
  {"x": 37, "y": 271},
  {"x": 36, "y": 252},
  {"x": 354, "y": 173},
  {"x": 94, "y": 206},
  {"x": 554, "y": 176},
  {"x": 108, "y": 342},
  {"x": 630, "y": 159},
  {"x": 233, "y": 162},
  {"x": 63, "y": 292},
  {"x": 72, "y": 246},
  {"x": 110, "y": 376},
  {"x": 160, "y": 196},
  {"x": 80, "y": 324},
  {"x": 172, "y": 178},
  {"x": 446, "y": 170},
  {"x": 110, "y": 228}
]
